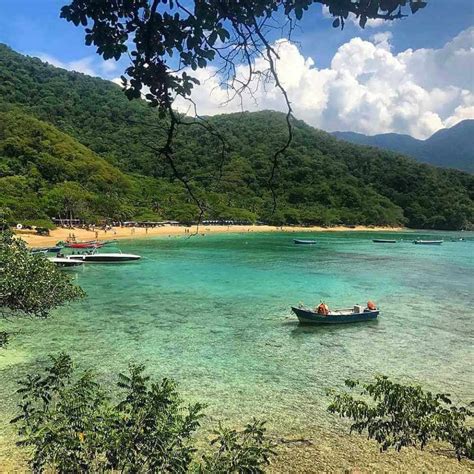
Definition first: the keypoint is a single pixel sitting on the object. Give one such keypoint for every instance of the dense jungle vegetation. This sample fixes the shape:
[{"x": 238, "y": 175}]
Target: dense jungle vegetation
[{"x": 75, "y": 145}]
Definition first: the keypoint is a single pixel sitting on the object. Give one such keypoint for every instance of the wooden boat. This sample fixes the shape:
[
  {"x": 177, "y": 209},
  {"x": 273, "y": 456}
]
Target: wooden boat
[
  {"x": 83, "y": 245},
  {"x": 304, "y": 241},
  {"x": 384, "y": 241},
  {"x": 338, "y": 316},
  {"x": 428, "y": 242},
  {"x": 65, "y": 262}
]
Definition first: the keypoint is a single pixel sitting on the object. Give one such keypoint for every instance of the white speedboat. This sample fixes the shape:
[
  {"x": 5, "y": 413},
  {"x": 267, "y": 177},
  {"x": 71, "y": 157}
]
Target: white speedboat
[
  {"x": 104, "y": 257},
  {"x": 65, "y": 262}
]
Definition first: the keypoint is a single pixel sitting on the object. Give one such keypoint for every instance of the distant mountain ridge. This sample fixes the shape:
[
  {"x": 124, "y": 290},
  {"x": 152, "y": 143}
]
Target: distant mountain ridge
[{"x": 450, "y": 147}]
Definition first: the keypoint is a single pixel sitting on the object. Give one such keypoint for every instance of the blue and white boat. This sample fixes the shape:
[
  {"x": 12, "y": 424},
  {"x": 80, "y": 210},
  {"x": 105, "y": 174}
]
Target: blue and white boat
[
  {"x": 339, "y": 316},
  {"x": 45, "y": 250},
  {"x": 428, "y": 242}
]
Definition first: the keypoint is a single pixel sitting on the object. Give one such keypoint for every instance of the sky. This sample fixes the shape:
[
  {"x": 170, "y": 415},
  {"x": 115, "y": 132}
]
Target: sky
[{"x": 412, "y": 76}]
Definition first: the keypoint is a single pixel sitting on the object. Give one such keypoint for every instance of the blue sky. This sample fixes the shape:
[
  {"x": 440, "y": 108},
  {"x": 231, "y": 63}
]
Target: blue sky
[{"x": 33, "y": 27}]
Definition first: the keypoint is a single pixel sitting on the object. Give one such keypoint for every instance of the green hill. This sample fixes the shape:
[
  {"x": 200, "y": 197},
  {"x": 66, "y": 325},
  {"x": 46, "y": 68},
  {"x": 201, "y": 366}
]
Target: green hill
[
  {"x": 44, "y": 173},
  {"x": 72, "y": 144}
]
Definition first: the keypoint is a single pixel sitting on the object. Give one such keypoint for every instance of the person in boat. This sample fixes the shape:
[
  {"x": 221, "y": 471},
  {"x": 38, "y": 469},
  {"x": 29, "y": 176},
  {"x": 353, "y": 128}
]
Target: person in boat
[
  {"x": 322, "y": 309},
  {"x": 371, "y": 305}
]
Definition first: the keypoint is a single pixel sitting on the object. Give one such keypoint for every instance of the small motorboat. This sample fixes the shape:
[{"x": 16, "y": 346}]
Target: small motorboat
[
  {"x": 65, "y": 262},
  {"x": 38, "y": 251},
  {"x": 427, "y": 242},
  {"x": 46, "y": 249},
  {"x": 304, "y": 241},
  {"x": 356, "y": 314},
  {"x": 55, "y": 249},
  {"x": 98, "y": 257},
  {"x": 384, "y": 241}
]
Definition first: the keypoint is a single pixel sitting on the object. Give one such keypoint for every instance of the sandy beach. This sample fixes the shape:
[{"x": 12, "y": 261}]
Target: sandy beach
[{"x": 59, "y": 234}]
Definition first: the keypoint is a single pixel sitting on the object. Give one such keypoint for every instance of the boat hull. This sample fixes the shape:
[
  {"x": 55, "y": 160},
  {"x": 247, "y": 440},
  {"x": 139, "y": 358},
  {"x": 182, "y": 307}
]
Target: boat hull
[
  {"x": 65, "y": 262},
  {"x": 46, "y": 250},
  {"x": 304, "y": 242},
  {"x": 306, "y": 316},
  {"x": 384, "y": 241},
  {"x": 105, "y": 258},
  {"x": 427, "y": 242}
]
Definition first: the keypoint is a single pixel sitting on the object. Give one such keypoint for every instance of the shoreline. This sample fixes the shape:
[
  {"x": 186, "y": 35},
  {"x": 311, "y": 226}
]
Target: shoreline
[{"x": 131, "y": 233}]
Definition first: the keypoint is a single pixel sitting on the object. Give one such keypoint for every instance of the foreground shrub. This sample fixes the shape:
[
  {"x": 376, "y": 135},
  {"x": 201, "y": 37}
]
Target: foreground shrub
[
  {"x": 75, "y": 424},
  {"x": 29, "y": 284},
  {"x": 397, "y": 416}
]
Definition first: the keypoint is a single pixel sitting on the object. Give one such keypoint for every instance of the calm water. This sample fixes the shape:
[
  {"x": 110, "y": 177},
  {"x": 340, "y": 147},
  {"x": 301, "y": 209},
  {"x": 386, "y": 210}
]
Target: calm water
[{"x": 213, "y": 313}]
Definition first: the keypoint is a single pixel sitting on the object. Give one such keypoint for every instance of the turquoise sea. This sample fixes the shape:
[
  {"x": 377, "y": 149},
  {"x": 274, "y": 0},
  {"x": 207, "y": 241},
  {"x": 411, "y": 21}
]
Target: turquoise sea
[{"x": 213, "y": 313}]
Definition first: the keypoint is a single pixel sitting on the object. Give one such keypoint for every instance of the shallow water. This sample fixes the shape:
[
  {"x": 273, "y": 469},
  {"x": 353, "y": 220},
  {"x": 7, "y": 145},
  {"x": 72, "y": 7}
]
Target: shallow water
[{"x": 213, "y": 313}]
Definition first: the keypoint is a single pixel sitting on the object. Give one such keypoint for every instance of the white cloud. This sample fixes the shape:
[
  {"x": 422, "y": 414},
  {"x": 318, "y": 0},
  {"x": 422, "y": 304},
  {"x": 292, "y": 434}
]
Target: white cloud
[
  {"x": 109, "y": 66},
  {"x": 367, "y": 87},
  {"x": 90, "y": 65},
  {"x": 382, "y": 39},
  {"x": 84, "y": 65}
]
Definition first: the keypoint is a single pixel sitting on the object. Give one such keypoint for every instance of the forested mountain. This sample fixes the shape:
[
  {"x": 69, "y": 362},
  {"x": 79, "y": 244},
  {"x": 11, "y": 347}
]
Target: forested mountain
[
  {"x": 45, "y": 173},
  {"x": 72, "y": 144},
  {"x": 451, "y": 147}
]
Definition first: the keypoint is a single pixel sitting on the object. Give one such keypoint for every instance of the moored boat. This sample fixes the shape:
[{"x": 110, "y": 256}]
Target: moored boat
[
  {"x": 99, "y": 257},
  {"x": 304, "y": 241},
  {"x": 54, "y": 249},
  {"x": 428, "y": 242},
  {"x": 384, "y": 241},
  {"x": 65, "y": 262},
  {"x": 356, "y": 314},
  {"x": 45, "y": 249},
  {"x": 83, "y": 245}
]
